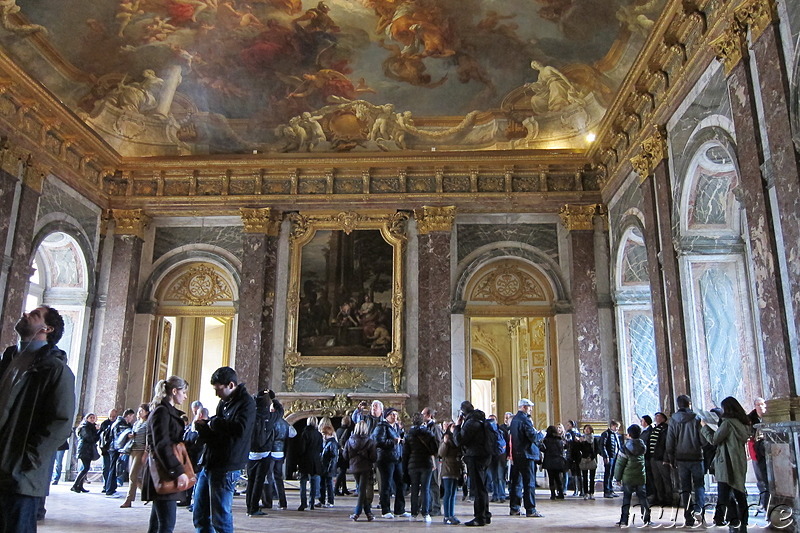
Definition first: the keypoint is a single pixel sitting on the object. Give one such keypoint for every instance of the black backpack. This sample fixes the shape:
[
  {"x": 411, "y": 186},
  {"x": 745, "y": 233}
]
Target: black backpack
[{"x": 495, "y": 443}]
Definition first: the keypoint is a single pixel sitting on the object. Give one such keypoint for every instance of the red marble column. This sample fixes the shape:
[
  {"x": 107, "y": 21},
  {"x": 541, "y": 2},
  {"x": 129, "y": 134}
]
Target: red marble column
[
  {"x": 434, "y": 367},
  {"x": 663, "y": 360},
  {"x": 579, "y": 221},
  {"x": 19, "y": 271},
  {"x": 255, "y": 331},
  {"x": 115, "y": 344},
  {"x": 763, "y": 252}
]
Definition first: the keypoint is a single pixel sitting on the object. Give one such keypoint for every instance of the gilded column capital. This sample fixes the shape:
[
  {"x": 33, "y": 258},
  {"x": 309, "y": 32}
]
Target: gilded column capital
[
  {"x": 263, "y": 220},
  {"x": 578, "y": 217},
  {"x": 130, "y": 222},
  {"x": 430, "y": 219},
  {"x": 730, "y": 48},
  {"x": 654, "y": 150},
  {"x": 34, "y": 174},
  {"x": 757, "y": 15},
  {"x": 641, "y": 165}
]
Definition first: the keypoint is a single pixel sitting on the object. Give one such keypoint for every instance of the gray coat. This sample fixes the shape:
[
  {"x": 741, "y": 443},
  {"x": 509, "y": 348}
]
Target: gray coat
[{"x": 730, "y": 461}]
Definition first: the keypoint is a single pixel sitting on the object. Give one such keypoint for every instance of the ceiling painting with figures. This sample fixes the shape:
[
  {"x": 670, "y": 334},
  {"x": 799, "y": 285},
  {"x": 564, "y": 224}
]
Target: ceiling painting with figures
[{"x": 183, "y": 77}]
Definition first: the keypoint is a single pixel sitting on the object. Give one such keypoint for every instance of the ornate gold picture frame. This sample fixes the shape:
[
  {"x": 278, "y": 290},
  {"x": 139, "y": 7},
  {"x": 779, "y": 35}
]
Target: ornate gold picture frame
[{"x": 336, "y": 325}]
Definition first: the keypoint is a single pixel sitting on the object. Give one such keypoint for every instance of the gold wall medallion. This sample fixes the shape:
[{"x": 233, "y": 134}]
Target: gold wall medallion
[
  {"x": 343, "y": 378},
  {"x": 508, "y": 285},
  {"x": 346, "y": 300},
  {"x": 201, "y": 285}
]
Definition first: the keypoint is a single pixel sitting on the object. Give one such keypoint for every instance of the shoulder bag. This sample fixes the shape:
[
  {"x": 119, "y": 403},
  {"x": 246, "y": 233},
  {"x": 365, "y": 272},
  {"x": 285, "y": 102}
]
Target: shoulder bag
[{"x": 161, "y": 481}]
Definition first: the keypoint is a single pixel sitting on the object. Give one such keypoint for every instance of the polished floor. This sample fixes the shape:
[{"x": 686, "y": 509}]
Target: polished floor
[{"x": 92, "y": 512}]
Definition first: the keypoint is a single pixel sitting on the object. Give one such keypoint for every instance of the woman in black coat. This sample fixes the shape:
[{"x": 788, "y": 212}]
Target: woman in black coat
[
  {"x": 166, "y": 430},
  {"x": 419, "y": 450},
  {"x": 554, "y": 462},
  {"x": 361, "y": 454},
  {"x": 310, "y": 463},
  {"x": 88, "y": 436}
]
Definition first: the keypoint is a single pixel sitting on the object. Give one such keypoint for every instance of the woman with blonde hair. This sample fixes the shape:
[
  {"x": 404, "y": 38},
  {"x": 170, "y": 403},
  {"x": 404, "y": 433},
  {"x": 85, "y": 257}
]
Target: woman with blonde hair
[
  {"x": 361, "y": 453},
  {"x": 166, "y": 429},
  {"x": 330, "y": 458}
]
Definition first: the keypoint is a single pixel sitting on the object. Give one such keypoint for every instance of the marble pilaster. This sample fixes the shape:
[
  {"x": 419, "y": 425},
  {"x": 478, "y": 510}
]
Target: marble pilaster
[
  {"x": 19, "y": 260},
  {"x": 255, "y": 334},
  {"x": 579, "y": 221},
  {"x": 8, "y": 191},
  {"x": 434, "y": 364},
  {"x": 120, "y": 311},
  {"x": 664, "y": 365},
  {"x": 773, "y": 335},
  {"x": 782, "y": 167}
]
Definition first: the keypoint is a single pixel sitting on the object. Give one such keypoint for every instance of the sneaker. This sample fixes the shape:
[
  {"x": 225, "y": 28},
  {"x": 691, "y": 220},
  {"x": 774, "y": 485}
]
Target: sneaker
[
  {"x": 591, "y": 496},
  {"x": 353, "y": 517},
  {"x": 405, "y": 514},
  {"x": 534, "y": 514},
  {"x": 113, "y": 495},
  {"x": 414, "y": 518},
  {"x": 387, "y": 515},
  {"x": 514, "y": 513},
  {"x": 454, "y": 521},
  {"x": 370, "y": 518},
  {"x": 257, "y": 513},
  {"x": 427, "y": 518}
]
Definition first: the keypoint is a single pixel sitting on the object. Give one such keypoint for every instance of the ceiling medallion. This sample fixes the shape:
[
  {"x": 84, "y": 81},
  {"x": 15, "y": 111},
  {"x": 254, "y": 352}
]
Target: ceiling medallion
[
  {"x": 343, "y": 378},
  {"x": 508, "y": 285},
  {"x": 200, "y": 285}
]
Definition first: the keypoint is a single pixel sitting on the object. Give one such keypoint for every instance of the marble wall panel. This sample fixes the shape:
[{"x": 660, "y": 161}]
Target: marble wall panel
[
  {"x": 640, "y": 340},
  {"x": 376, "y": 380},
  {"x": 473, "y": 236},
  {"x": 54, "y": 200},
  {"x": 170, "y": 237}
]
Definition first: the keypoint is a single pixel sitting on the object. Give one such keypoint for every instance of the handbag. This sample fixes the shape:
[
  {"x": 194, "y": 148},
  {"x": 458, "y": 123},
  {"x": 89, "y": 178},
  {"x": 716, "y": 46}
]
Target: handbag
[
  {"x": 158, "y": 474},
  {"x": 588, "y": 463}
]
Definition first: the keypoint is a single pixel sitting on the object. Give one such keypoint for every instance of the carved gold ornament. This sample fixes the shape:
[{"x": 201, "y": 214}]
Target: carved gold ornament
[
  {"x": 729, "y": 48},
  {"x": 339, "y": 405},
  {"x": 344, "y": 378},
  {"x": 757, "y": 15},
  {"x": 508, "y": 285},
  {"x": 578, "y": 217},
  {"x": 130, "y": 222},
  {"x": 200, "y": 285},
  {"x": 261, "y": 220},
  {"x": 430, "y": 219}
]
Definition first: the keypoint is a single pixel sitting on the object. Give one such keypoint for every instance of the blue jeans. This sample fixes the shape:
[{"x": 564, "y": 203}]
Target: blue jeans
[
  {"x": 162, "y": 516},
  {"x": 304, "y": 478},
  {"x": 273, "y": 486},
  {"x": 58, "y": 467},
  {"x": 326, "y": 489},
  {"x": 420, "y": 490},
  {"x": 392, "y": 480},
  {"x": 213, "y": 499},
  {"x": 608, "y": 476},
  {"x": 449, "y": 501},
  {"x": 641, "y": 493},
  {"x": 522, "y": 488},
  {"x": 366, "y": 486},
  {"x": 111, "y": 479},
  {"x": 690, "y": 479},
  {"x": 19, "y": 513}
]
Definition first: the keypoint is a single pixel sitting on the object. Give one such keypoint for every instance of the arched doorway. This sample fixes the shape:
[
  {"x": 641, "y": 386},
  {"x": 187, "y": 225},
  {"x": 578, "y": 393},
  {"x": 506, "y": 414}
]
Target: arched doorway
[
  {"x": 509, "y": 311},
  {"x": 195, "y": 316}
]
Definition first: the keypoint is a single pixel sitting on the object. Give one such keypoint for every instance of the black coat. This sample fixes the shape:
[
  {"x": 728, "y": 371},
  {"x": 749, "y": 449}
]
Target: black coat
[
  {"x": 227, "y": 434},
  {"x": 88, "y": 435},
  {"x": 385, "y": 436},
  {"x": 310, "y": 452},
  {"x": 166, "y": 430},
  {"x": 470, "y": 436},
  {"x": 524, "y": 438},
  {"x": 554, "y": 453},
  {"x": 419, "y": 449},
  {"x": 361, "y": 453}
]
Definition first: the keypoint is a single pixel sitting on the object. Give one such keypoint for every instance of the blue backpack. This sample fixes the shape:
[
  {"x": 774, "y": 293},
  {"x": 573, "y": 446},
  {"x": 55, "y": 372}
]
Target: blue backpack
[{"x": 495, "y": 441}]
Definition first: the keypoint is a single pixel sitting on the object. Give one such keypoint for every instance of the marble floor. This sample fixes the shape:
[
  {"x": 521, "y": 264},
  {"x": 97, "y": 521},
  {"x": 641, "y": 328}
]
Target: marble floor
[{"x": 94, "y": 513}]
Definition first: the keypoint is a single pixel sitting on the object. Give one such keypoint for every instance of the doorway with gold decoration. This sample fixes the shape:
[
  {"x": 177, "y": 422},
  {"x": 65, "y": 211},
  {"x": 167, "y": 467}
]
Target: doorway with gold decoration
[
  {"x": 509, "y": 313},
  {"x": 195, "y": 317}
]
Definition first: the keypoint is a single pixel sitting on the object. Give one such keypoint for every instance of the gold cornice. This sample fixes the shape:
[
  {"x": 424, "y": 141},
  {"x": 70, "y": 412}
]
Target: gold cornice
[
  {"x": 579, "y": 217},
  {"x": 34, "y": 174},
  {"x": 782, "y": 410},
  {"x": 730, "y": 48},
  {"x": 757, "y": 15},
  {"x": 654, "y": 150},
  {"x": 262, "y": 220},
  {"x": 431, "y": 219},
  {"x": 130, "y": 222}
]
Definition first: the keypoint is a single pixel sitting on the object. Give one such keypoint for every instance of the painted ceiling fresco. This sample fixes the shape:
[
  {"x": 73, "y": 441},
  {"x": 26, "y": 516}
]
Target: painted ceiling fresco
[{"x": 157, "y": 77}]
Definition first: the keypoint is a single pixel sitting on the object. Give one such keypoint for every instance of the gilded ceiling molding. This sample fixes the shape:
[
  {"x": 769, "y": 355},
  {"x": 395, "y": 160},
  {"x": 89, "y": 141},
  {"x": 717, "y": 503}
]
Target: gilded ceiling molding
[
  {"x": 263, "y": 220},
  {"x": 34, "y": 174},
  {"x": 578, "y": 217},
  {"x": 654, "y": 150},
  {"x": 130, "y": 222},
  {"x": 730, "y": 47},
  {"x": 430, "y": 219},
  {"x": 757, "y": 15}
]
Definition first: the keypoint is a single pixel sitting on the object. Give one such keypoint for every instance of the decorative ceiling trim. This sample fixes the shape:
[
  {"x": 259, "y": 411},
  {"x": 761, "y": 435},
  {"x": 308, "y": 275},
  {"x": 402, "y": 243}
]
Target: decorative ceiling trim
[
  {"x": 263, "y": 220},
  {"x": 579, "y": 217},
  {"x": 757, "y": 15},
  {"x": 730, "y": 48},
  {"x": 130, "y": 222},
  {"x": 431, "y": 219}
]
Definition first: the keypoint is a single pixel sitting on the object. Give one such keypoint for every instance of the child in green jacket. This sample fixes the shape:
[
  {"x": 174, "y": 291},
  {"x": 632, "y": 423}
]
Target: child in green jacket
[{"x": 630, "y": 471}]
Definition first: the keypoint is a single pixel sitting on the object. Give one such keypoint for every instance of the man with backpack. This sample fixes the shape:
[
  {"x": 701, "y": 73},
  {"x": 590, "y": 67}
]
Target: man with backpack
[
  {"x": 105, "y": 444},
  {"x": 524, "y": 454},
  {"x": 121, "y": 425},
  {"x": 470, "y": 434},
  {"x": 259, "y": 461}
]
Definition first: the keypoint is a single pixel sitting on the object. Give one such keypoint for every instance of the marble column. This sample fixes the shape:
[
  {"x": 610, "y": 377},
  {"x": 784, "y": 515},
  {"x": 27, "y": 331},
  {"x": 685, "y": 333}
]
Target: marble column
[
  {"x": 20, "y": 235},
  {"x": 781, "y": 160},
  {"x": 115, "y": 342},
  {"x": 651, "y": 165},
  {"x": 9, "y": 187},
  {"x": 256, "y": 328},
  {"x": 579, "y": 221},
  {"x": 763, "y": 250},
  {"x": 435, "y": 226}
]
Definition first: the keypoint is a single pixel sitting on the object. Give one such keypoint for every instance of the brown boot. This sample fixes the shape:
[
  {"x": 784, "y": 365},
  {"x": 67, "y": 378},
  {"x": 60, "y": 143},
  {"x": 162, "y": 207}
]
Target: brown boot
[{"x": 126, "y": 503}]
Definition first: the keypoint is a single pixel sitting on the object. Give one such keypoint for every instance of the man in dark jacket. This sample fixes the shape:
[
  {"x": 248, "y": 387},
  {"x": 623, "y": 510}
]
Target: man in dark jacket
[
  {"x": 433, "y": 426},
  {"x": 106, "y": 439},
  {"x": 525, "y": 452},
  {"x": 609, "y": 449},
  {"x": 122, "y": 424},
  {"x": 662, "y": 473},
  {"x": 37, "y": 403},
  {"x": 389, "y": 441},
  {"x": 274, "y": 482},
  {"x": 226, "y": 437},
  {"x": 684, "y": 451},
  {"x": 259, "y": 461},
  {"x": 469, "y": 435}
]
